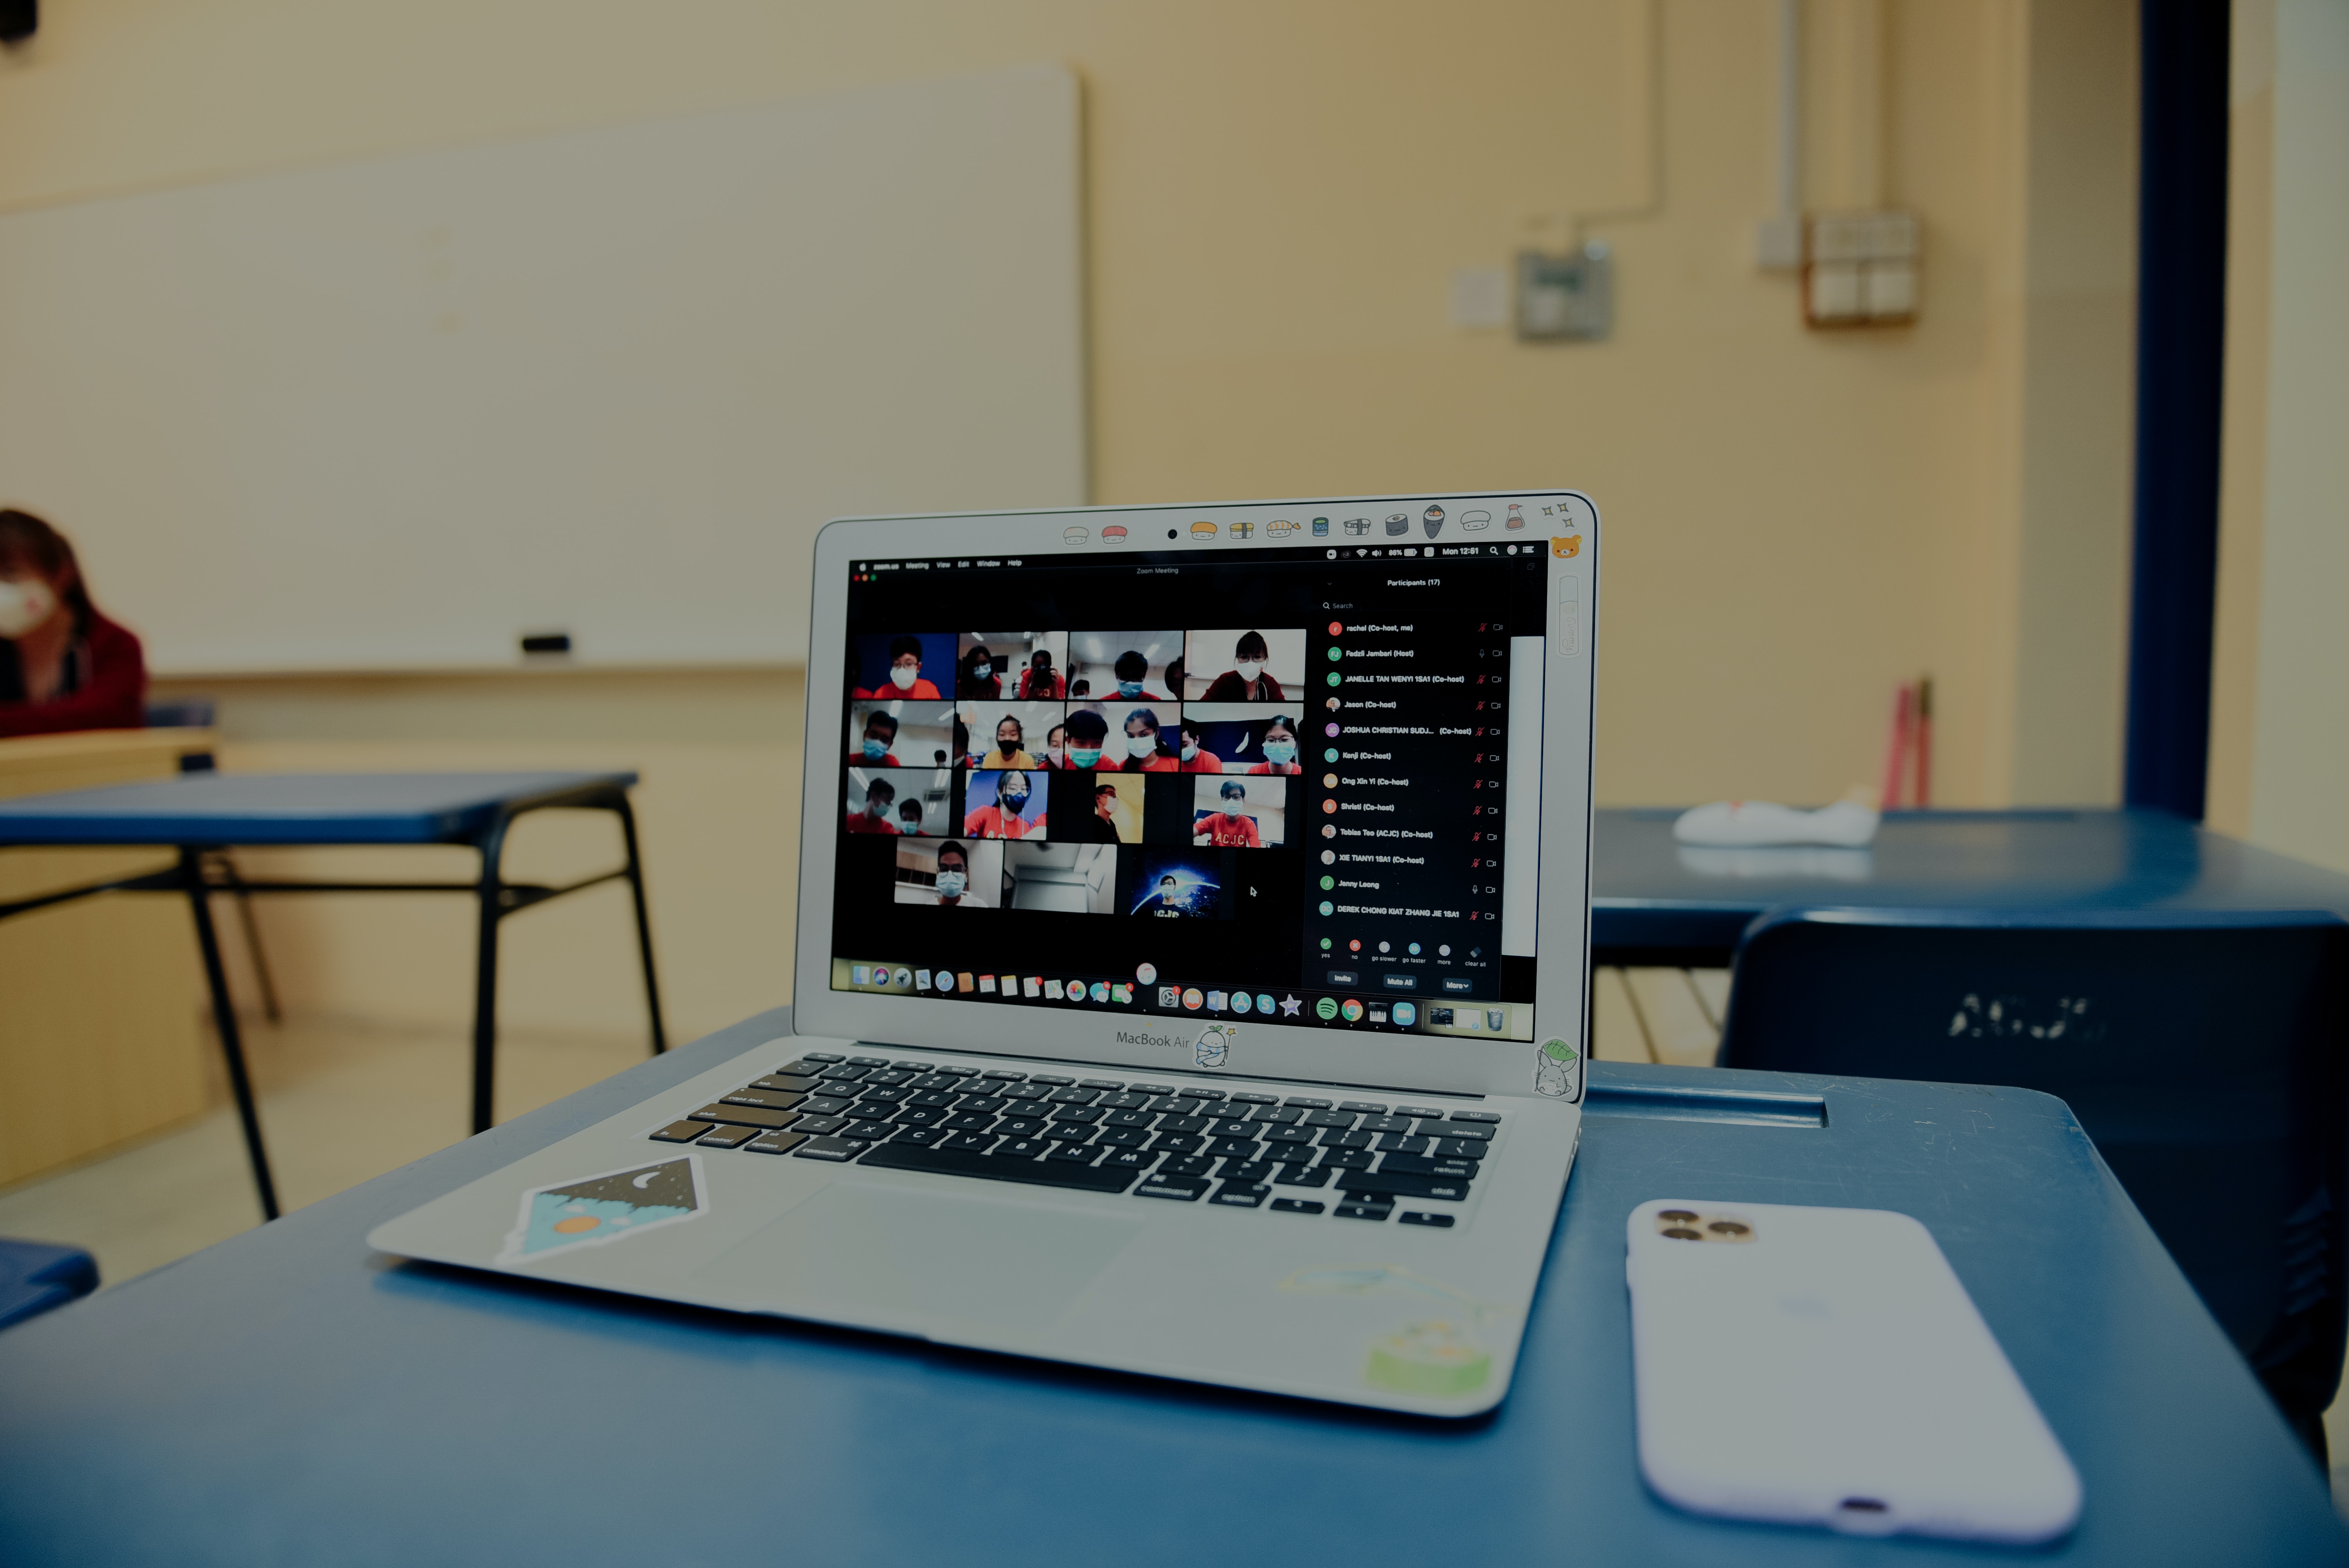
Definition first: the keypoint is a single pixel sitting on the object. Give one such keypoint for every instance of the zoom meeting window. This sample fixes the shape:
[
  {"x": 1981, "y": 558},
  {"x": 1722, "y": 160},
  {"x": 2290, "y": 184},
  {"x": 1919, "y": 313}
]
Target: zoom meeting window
[{"x": 1270, "y": 784}]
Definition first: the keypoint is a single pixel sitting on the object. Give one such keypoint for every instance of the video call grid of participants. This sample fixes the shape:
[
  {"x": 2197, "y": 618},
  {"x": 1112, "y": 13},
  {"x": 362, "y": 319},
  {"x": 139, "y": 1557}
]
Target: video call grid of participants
[{"x": 1064, "y": 726}]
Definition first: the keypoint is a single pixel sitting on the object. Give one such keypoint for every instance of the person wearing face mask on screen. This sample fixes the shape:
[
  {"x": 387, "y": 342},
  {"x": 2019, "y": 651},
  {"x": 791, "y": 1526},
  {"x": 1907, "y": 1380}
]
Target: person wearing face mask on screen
[
  {"x": 953, "y": 888},
  {"x": 1196, "y": 758},
  {"x": 1229, "y": 829},
  {"x": 880, "y": 734},
  {"x": 909, "y": 819},
  {"x": 1010, "y": 746},
  {"x": 905, "y": 673},
  {"x": 1246, "y": 680},
  {"x": 63, "y": 665},
  {"x": 1133, "y": 672},
  {"x": 976, "y": 678},
  {"x": 1003, "y": 820},
  {"x": 1087, "y": 733},
  {"x": 879, "y": 796},
  {"x": 1040, "y": 681},
  {"x": 1279, "y": 747},
  {"x": 1144, "y": 754}
]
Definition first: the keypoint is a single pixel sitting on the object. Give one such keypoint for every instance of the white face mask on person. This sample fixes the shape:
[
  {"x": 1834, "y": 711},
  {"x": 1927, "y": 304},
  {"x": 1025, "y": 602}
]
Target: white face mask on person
[
  {"x": 950, "y": 884},
  {"x": 1138, "y": 746},
  {"x": 26, "y": 605},
  {"x": 1250, "y": 668},
  {"x": 904, "y": 675}
]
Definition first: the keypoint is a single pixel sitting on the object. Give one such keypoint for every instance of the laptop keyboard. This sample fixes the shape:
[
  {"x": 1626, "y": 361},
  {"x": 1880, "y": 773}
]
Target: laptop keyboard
[{"x": 1354, "y": 1160}]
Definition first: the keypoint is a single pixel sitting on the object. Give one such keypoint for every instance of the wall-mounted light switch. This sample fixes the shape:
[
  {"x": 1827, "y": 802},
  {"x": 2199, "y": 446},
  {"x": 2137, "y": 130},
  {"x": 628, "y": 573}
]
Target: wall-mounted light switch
[{"x": 1565, "y": 298}]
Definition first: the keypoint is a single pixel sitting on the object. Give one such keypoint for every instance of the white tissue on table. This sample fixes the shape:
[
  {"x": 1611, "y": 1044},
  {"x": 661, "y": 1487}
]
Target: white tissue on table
[{"x": 1848, "y": 824}]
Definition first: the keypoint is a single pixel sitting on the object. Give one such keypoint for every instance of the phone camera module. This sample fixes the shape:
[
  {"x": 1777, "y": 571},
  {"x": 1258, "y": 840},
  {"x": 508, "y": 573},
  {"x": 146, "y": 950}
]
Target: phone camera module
[
  {"x": 1677, "y": 1216},
  {"x": 1727, "y": 1228},
  {"x": 1682, "y": 1233}
]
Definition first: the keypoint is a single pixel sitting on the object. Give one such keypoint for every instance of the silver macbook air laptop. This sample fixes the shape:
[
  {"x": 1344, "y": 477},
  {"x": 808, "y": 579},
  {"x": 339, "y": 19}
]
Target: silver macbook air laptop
[{"x": 1193, "y": 958}]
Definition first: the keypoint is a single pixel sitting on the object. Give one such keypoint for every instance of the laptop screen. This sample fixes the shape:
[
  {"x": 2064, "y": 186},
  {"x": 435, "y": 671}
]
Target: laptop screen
[{"x": 1298, "y": 783}]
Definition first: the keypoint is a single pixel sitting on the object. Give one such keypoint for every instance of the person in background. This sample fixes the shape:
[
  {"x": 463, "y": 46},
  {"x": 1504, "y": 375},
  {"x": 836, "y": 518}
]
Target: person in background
[
  {"x": 1229, "y": 829},
  {"x": 63, "y": 665},
  {"x": 1196, "y": 758},
  {"x": 1167, "y": 901},
  {"x": 1174, "y": 677},
  {"x": 1082, "y": 690},
  {"x": 1010, "y": 746},
  {"x": 1040, "y": 681},
  {"x": 1087, "y": 731},
  {"x": 976, "y": 678},
  {"x": 1246, "y": 680},
  {"x": 879, "y": 796},
  {"x": 953, "y": 888},
  {"x": 1003, "y": 820},
  {"x": 1056, "y": 747},
  {"x": 1279, "y": 747},
  {"x": 880, "y": 734},
  {"x": 1144, "y": 754},
  {"x": 905, "y": 673},
  {"x": 909, "y": 819}
]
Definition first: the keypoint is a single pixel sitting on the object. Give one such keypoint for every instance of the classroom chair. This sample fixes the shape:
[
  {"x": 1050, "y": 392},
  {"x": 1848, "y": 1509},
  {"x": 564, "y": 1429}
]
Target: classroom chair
[
  {"x": 37, "y": 1277},
  {"x": 2201, "y": 1050}
]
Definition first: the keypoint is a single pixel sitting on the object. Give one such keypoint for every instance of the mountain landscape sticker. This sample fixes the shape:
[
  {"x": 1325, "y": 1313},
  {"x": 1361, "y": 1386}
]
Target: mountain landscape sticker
[{"x": 594, "y": 1211}]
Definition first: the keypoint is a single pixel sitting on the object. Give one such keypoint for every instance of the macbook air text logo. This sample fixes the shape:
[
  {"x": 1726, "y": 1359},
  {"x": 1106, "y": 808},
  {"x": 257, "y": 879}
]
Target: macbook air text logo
[{"x": 1166, "y": 1041}]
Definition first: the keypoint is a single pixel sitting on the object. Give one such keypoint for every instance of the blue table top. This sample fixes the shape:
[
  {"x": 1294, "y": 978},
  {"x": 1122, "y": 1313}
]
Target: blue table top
[
  {"x": 1671, "y": 900},
  {"x": 284, "y": 808},
  {"x": 289, "y": 1397}
]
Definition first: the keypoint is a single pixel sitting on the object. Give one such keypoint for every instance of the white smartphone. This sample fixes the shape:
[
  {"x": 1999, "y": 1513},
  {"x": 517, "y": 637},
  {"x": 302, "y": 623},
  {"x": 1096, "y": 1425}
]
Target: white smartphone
[{"x": 1825, "y": 1366}]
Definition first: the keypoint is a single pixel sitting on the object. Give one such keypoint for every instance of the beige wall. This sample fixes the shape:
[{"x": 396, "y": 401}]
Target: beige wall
[
  {"x": 1278, "y": 195},
  {"x": 2280, "y": 725}
]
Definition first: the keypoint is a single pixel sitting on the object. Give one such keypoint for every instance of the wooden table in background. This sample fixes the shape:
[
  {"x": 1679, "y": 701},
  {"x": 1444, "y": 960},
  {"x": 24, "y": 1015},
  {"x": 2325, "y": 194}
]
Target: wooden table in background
[{"x": 101, "y": 1002}]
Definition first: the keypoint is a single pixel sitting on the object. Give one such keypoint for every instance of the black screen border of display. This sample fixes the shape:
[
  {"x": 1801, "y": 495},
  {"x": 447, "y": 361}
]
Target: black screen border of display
[{"x": 1516, "y": 973}]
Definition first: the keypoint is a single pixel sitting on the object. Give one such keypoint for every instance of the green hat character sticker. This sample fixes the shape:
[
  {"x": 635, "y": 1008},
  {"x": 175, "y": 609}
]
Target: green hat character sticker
[
  {"x": 1214, "y": 1045},
  {"x": 1558, "y": 1070},
  {"x": 1436, "y": 1359},
  {"x": 595, "y": 1210}
]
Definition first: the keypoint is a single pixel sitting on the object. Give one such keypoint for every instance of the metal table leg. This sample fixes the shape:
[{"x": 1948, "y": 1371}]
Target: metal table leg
[
  {"x": 492, "y": 898},
  {"x": 644, "y": 922},
  {"x": 192, "y": 874}
]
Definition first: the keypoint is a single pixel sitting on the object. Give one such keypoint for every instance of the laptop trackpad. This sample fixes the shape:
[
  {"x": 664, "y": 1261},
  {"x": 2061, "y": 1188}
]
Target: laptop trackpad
[{"x": 893, "y": 1254}]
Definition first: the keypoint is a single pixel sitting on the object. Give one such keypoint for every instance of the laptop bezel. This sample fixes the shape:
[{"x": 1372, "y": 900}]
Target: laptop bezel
[{"x": 1085, "y": 1035}]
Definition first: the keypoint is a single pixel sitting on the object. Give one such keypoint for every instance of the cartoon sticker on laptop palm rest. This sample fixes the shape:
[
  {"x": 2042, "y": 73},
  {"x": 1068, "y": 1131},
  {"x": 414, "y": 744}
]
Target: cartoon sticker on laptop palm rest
[{"x": 1235, "y": 1148}]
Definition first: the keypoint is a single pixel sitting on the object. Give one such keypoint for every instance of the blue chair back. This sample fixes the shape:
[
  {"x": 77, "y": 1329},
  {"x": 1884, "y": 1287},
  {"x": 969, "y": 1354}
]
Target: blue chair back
[
  {"x": 2202, "y": 1051},
  {"x": 39, "y": 1276}
]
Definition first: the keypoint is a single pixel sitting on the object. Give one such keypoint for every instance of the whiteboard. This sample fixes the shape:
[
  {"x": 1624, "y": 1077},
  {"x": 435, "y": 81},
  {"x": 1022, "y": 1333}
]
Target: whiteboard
[{"x": 396, "y": 415}]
